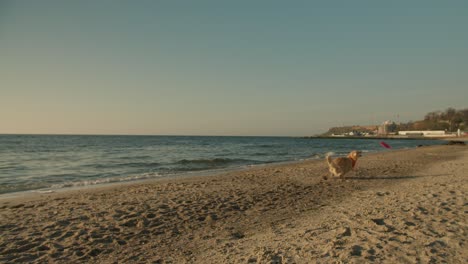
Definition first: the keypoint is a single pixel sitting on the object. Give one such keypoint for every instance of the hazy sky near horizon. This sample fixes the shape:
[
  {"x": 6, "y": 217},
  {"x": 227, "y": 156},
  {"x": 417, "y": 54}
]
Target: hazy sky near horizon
[{"x": 289, "y": 68}]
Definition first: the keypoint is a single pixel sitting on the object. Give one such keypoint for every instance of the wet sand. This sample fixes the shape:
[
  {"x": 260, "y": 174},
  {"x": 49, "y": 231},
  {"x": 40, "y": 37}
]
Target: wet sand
[{"x": 405, "y": 206}]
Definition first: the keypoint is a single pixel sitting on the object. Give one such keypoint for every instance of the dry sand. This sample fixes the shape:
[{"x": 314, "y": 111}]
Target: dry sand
[{"x": 406, "y": 206}]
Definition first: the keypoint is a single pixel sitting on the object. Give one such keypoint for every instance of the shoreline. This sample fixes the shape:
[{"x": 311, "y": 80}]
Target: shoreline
[
  {"x": 277, "y": 213},
  {"x": 176, "y": 177},
  {"x": 31, "y": 194},
  {"x": 81, "y": 185}
]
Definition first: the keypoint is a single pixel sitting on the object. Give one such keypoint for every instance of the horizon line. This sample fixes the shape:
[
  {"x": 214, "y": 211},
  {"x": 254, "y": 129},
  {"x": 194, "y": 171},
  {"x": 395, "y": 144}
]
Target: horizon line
[{"x": 143, "y": 135}]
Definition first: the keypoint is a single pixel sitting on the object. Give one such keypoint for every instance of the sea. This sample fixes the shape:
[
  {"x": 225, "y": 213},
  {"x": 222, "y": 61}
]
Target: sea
[{"x": 44, "y": 163}]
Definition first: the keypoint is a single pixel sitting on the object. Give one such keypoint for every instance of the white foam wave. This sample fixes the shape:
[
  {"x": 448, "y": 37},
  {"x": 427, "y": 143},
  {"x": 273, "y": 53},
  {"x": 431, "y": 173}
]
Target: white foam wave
[{"x": 106, "y": 180}]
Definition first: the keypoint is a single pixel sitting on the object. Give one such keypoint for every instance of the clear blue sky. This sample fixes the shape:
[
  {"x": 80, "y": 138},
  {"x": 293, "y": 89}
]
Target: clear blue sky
[{"x": 227, "y": 67}]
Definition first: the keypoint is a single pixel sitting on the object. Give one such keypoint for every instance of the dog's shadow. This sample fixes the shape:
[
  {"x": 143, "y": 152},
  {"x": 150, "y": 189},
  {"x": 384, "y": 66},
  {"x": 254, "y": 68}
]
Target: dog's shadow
[{"x": 384, "y": 177}]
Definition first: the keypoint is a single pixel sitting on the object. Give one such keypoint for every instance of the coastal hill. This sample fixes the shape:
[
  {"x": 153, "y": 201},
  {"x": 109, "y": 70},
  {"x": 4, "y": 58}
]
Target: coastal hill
[
  {"x": 449, "y": 120},
  {"x": 348, "y": 129}
]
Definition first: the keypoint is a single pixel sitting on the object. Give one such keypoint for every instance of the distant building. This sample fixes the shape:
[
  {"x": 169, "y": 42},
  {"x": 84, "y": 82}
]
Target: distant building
[{"x": 387, "y": 127}]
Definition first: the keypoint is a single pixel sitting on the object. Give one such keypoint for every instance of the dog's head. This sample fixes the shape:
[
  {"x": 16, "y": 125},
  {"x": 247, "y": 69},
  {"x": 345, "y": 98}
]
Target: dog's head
[{"x": 355, "y": 154}]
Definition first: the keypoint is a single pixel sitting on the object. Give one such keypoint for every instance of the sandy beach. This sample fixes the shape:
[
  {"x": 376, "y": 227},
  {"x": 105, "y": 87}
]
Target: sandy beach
[{"x": 405, "y": 206}]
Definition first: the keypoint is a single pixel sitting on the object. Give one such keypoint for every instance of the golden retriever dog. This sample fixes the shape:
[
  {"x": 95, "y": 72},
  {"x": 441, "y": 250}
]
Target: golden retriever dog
[{"x": 341, "y": 166}]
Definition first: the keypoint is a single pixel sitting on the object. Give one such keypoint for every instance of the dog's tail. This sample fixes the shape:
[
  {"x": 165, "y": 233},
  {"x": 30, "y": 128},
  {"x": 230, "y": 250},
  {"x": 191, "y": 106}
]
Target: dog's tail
[{"x": 328, "y": 157}]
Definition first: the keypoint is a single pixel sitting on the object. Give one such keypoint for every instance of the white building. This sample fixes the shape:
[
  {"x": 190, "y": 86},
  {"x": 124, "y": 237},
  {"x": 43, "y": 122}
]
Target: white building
[{"x": 424, "y": 133}]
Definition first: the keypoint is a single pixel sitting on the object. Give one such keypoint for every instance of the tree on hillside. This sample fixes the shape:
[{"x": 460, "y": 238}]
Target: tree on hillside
[
  {"x": 406, "y": 126},
  {"x": 450, "y": 119},
  {"x": 464, "y": 115},
  {"x": 433, "y": 116},
  {"x": 448, "y": 116}
]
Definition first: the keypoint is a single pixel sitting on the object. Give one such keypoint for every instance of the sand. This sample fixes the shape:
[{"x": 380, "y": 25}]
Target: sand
[{"x": 405, "y": 206}]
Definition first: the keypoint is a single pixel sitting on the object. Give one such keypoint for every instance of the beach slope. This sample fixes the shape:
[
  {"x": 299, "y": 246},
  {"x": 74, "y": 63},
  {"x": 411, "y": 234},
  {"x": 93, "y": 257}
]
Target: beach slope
[{"x": 405, "y": 206}]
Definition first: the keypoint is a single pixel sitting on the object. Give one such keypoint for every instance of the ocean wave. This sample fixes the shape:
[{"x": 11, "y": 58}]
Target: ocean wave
[
  {"x": 19, "y": 187},
  {"x": 14, "y": 167},
  {"x": 211, "y": 162},
  {"x": 135, "y": 157},
  {"x": 313, "y": 156},
  {"x": 125, "y": 165},
  {"x": 185, "y": 165},
  {"x": 266, "y": 145},
  {"x": 140, "y": 164},
  {"x": 105, "y": 180}
]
